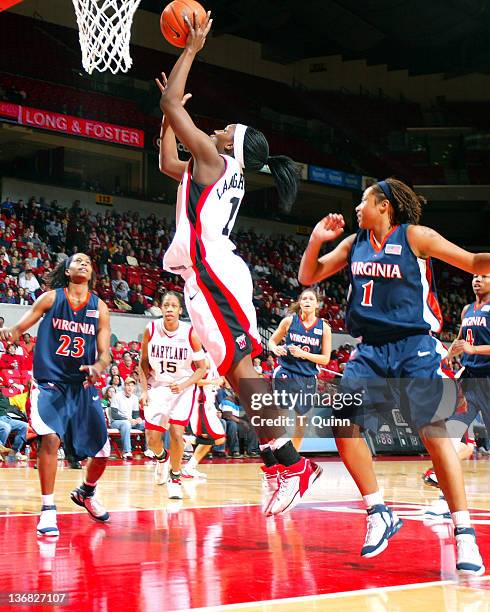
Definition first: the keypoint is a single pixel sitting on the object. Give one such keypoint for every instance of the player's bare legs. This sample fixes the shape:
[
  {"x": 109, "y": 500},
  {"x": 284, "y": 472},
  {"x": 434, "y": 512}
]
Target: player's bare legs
[
  {"x": 95, "y": 468},
  {"x": 286, "y": 473},
  {"x": 154, "y": 441},
  {"x": 177, "y": 445},
  {"x": 48, "y": 462}
]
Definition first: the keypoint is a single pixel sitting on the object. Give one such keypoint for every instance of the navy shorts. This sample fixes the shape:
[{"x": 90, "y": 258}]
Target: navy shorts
[
  {"x": 476, "y": 390},
  {"x": 72, "y": 412},
  {"x": 406, "y": 375},
  {"x": 299, "y": 391}
]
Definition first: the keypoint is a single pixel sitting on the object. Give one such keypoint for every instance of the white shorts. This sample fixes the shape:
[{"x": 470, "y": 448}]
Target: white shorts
[
  {"x": 218, "y": 297},
  {"x": 204, "y": 419},
  {"x": 165, "y": 408}
]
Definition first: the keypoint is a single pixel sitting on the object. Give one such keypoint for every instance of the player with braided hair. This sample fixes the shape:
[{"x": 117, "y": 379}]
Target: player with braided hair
[{"x": 392, "y": 305}]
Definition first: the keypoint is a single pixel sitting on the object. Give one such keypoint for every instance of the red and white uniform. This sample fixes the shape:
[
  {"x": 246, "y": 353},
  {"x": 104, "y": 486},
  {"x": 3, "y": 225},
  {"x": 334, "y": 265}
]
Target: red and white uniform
[
  {"x": 204, "y": 418},
  {"x": 218, "y": 285},
  {"x": 171, "y": 356}
]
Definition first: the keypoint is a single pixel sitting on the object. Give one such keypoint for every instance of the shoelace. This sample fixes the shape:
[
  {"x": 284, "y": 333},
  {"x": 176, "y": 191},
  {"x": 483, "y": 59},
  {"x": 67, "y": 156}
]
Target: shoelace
[
  {"x": 467, "y": 548},
  {"x": 373, "y": 521}
]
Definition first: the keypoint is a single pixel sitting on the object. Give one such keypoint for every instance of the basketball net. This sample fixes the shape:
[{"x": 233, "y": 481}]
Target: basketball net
[{"x": 105, "y": 31}]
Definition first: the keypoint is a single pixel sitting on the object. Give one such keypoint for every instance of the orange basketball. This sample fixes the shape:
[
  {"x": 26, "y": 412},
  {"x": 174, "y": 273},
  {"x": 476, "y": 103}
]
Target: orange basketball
[{"x": 174, "y": 28}]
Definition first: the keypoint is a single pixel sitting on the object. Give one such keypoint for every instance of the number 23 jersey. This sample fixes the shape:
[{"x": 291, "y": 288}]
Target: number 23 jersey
[
  {"x": 205, "y": 217},
  {"x": 392, "y": 291},
  {"x": 170, "y": 353},
  {"x": 66, "y": 339}
]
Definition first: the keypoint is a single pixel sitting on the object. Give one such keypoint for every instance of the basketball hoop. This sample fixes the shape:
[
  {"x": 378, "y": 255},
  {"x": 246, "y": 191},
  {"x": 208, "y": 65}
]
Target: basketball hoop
[{"x": 105, "y": 31}]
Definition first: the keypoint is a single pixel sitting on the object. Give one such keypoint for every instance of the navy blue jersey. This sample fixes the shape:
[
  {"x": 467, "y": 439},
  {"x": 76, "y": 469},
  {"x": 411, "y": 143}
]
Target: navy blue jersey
[
  {"x": 310, "y": 339},
  {"x": 475, "y": 329},
  {"x": 66, "y": 339},
  {"x": 392, "y": 292}
]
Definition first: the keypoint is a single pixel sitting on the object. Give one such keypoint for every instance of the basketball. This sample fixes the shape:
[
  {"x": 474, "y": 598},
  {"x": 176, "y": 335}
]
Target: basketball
[{"x": 172, "y": 24}]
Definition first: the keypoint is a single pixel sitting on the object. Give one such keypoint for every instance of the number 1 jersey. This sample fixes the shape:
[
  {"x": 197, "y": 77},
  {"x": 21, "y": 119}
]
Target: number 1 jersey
[
  {"x": 205, "y": 217},
  {"x": 66, "y": 339},
  {"x": 392, "y": 291}
]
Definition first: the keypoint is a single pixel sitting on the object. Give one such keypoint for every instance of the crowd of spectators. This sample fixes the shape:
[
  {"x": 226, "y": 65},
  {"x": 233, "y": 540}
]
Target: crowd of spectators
[{"x": 127, "y": 251}]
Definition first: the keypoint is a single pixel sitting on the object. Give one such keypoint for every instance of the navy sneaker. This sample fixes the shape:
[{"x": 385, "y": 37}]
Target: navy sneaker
[
  {"x": 469, "y": 561},
  {"x": 382, "y": 524}
]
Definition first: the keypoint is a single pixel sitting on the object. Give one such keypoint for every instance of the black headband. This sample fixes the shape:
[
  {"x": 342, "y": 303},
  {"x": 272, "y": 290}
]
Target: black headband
[{"x": 386, "y": 189}]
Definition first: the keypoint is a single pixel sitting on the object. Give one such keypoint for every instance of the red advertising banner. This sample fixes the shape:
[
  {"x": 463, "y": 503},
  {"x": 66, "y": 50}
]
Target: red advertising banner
[
  {"x": 7, "y": 109},
  {"x": 75, "y": 126}
]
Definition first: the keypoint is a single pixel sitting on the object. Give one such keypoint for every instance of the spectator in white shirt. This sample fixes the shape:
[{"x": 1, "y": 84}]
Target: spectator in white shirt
[
  {"x": 29, "y": 282},
  {"x": 124, "y": 413}
]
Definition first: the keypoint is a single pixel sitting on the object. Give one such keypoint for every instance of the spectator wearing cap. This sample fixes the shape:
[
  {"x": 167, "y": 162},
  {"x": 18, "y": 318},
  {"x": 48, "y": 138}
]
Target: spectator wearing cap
[{"x": 124, "y": 415}]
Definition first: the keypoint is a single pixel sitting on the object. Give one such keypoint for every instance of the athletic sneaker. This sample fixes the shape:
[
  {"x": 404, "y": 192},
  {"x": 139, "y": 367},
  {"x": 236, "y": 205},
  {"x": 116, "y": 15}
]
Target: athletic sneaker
[
  {"x": 382, "y": 524},
  {"x": 430, "y": 478},
  {"x": 438, "y": 510},
  {"x": 174, "y": 486},
  {"x": 91, "y": 504},
  {"x": 149, "y": 453},
  {"x": 190, "y": 471},
  {"x": 469, "y": 561},
  {"x": 161, "y": 471},
  {"x": 270, "y": 485},
  {"x": 294, "y": 481},
  {"x": 47, "y": 525}
]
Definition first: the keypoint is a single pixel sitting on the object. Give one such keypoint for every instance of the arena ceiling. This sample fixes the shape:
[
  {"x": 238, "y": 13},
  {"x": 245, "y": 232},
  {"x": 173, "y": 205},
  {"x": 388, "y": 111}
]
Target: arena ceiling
[{"x": 423, "y": 36}]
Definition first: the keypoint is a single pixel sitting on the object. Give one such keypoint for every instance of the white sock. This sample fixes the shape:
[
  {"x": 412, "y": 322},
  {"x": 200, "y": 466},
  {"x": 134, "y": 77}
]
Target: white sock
[
  {"x": 461, "y": 518},
  {"x": 264, "y": 446},
  {"x": 278, "y": 442},
  {"x": 48, "y": 500},
  {"x": 373, "y": 499},
  {"x": 192, "y": 463}
]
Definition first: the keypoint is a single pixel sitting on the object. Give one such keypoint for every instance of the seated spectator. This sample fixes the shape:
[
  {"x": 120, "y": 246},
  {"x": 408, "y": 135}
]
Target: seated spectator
[
  {"x": 269, "y": 365},
  {"x": 257, "y": 366},
  {"x": 127, "y": 365},
  {"x": 114, "y": 370},
  {"x": 117, "y": 350},
  {"x": 154, "y": 310},
  {"x": 8, "y": 425},
  {"x": 120, "y": 287},
  {"x": 115, "y": 381},
  {"x": 140, "y": 305},
  {"x": 23, "y": 298},
  {"x": 124, "y": 414},
  {"x": 107, "y": 399},
  {"x": 30, "y": 283},
  {"x": 10, "y": 360}
]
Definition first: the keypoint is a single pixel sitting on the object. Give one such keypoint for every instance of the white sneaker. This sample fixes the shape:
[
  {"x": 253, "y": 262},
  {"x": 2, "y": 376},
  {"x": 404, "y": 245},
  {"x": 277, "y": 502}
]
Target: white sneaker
[
  {"x": 438, "y": 510},
  {"x": 20, "y": 457},
  {"x": 161, "y": 471},
  {"x": 469, "y": 561},
  {"x": 192, "y": 472},
  {"x": 294, "y": 482},
  {"x": 47, "y": 525},
  {"x": 270, "y": 485},
  {"x": 382, "y": 524},
  {"x": 174, "y": 487},
  {"x": 149, "y": 453},
  {"x": 61, "y": 453},
  {"x": 127, "y": 455},
  {"x": 91, "y": 504}
]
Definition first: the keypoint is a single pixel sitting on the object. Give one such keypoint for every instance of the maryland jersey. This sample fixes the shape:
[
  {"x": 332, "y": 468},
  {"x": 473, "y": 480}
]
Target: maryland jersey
[
  {"x": 66, "y": 339},
  {"x": 309, "y": 339},
  {"x": 392, "y": 292},
  {"x": 475, "y": 329},
  {"x": 205, "y": 217},
  {"x": 170, "y": 353}
]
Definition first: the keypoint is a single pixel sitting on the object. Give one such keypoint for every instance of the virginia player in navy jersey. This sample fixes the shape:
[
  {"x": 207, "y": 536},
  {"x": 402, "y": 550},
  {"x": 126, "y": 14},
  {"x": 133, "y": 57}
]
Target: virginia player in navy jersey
[
  {"x": 72, "y": 351},
  {"x": 218, "y": 286},
  {"x": 393, "y": 308},
  {"x": 307, "y": 345},
  {"x": 473, "y": 343}
]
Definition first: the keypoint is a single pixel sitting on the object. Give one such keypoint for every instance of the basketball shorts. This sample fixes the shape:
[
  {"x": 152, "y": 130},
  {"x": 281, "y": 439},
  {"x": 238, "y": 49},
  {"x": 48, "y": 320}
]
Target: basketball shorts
[
  {"x": 476, "y": 390},
  {"x": 218, "y": 298},
  {"x": 165, "y": 408},
  {"x": 205, "y": 423},
  {"x": 74, "y": 413},
  {"x": 295, "y": 391},
  {"x": 405, "y": 374}
]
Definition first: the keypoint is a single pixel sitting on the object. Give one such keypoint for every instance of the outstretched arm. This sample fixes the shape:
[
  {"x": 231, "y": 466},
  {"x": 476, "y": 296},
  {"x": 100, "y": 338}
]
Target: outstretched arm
[
  {"x": 169, "y": 161},
  {"x": 208, "y": 165},
  {"x": 426, "y": 242},
  {"x": 314, "y": 269},
  {"x": 32, "y": 316}
]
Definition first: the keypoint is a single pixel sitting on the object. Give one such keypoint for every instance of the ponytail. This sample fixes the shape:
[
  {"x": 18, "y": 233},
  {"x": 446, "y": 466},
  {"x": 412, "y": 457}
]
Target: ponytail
[{"x": 283, "y": 169}]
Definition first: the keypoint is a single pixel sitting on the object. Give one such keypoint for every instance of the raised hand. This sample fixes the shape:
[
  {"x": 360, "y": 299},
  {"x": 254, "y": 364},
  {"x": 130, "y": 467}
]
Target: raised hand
[
  {"x": 197, "y": 31},
  {"x": 329, "y": 228},
  {"x": 162, "y": 86}
]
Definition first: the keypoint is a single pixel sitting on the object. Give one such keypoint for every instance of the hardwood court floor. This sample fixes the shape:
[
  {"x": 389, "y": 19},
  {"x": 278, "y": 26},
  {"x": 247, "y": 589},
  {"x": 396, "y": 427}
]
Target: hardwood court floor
[{"x": 216, "y": 551}]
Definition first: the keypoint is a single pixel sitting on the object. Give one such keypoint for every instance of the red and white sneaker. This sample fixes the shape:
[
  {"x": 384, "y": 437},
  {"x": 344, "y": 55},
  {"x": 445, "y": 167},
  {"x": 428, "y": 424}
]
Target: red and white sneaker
[
  {"x": 270, "y": 486},
  {"x": 294, "y": 482},
  {"x": 430, "y": 478}
]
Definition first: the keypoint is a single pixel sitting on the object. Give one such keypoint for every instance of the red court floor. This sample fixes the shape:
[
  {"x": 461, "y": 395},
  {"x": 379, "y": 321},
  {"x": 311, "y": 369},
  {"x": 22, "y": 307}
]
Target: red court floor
[{"x": 176, "y": 558}]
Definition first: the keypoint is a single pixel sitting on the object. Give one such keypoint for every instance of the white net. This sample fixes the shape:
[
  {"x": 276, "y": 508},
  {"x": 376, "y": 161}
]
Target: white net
[{"x": 105, "y": 32}]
